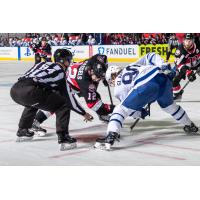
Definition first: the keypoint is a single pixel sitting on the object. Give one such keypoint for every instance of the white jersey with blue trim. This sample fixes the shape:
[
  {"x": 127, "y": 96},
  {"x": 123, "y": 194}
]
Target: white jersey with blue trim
[
  {"x": 132, "y": 77},
  {"x": 150, "y": 59}
]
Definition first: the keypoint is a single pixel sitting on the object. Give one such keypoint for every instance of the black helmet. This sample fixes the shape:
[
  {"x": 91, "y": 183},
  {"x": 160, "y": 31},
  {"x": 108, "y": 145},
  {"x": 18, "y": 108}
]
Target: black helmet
[
  {"x": 189, "y": 36},
  {"x": 61, "y": 55},
  {"x": 99, "y": 65}
]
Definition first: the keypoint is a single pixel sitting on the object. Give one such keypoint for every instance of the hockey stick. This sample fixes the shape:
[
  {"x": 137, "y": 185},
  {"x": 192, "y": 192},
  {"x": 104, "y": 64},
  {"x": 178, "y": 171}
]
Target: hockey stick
[
  {"x": 134, "y": 124},
  {"x": 111, "y": 100},
  {"x": 147, "y": 108}
]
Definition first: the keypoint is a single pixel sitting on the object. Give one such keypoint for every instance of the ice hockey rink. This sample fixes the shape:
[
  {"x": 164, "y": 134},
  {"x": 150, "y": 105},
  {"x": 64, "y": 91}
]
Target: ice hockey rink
[{"x": 157, "y": 140}]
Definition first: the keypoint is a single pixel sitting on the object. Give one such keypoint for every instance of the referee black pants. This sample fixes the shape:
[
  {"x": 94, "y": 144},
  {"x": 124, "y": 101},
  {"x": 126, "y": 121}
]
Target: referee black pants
[{"x": 33, "y": 96}]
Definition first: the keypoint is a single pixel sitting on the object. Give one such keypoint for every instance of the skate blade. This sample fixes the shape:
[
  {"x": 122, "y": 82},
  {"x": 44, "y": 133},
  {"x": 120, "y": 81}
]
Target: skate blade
[
  {"x": 97, "y": 145},
  {"x": 65, "y": 146},
  {"x": 105, "y": 146},
  {"x": 193, "y": 133},
  {"x": 178, "y": 100},
  {"x": 40, "y": 134},
  {"x": 24, "y": 139}
]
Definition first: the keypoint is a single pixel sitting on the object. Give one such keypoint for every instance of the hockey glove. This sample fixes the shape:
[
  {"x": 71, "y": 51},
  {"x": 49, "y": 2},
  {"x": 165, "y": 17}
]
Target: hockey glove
[
  {"x": 169, "y": 70},
  {"x": 191, "y": 76},
  {"x": 105, "y": 109}
]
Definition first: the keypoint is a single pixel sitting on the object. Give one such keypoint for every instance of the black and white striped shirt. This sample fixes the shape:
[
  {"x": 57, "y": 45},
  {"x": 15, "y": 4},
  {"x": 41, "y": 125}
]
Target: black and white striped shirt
[
  {"x": 50, "y": 74},
  {"x": 173, "y": 43},
  {"x": 53, "y": 76}
]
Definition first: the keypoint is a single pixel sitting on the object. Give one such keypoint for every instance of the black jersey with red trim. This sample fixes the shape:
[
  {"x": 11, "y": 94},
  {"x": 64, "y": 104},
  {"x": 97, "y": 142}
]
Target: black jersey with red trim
[
  {"x": 79, "y": 78},
  {"x": 189, "y": 58},
  {"x": 42, "y": 50},
  {"x": 46, "y": 48}
]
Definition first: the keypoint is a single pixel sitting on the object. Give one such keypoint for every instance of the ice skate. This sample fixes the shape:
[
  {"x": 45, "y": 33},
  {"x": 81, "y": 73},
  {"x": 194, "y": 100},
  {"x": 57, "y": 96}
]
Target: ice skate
[
  {"x": 66, "y": 142},
  {"x": 104, "y": 118},
  {"x": 39, "y": 131},
  {"x": 191, "y": 129},
  {"x": 106, "y": 142},
  {"x": 24, "y": 135}
]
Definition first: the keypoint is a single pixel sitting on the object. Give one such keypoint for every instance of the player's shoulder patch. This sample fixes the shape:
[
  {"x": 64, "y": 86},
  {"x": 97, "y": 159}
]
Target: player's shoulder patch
[{"x": 178, "y": 52}]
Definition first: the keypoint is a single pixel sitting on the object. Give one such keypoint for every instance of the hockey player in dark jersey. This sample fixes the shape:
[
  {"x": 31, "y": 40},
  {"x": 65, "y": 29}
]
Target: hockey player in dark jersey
[
  {"x": 84, "y": 78},
  {"x": 187, "y": 60},
  {"x": 42, "y": 50}
]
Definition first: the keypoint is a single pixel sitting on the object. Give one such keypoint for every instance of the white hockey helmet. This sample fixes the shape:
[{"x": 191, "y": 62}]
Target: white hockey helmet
[{"x": 111, "y": 73}]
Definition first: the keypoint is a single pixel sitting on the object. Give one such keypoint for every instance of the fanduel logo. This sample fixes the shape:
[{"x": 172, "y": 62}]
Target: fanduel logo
[{"x": 101, "y": 50}]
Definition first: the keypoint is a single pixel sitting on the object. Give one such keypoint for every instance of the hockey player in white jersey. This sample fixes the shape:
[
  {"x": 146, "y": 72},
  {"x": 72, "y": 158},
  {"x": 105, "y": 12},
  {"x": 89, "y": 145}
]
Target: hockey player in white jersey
[
  {"x": 150, "y": 59},
  {"x": 136, "y": 86}
]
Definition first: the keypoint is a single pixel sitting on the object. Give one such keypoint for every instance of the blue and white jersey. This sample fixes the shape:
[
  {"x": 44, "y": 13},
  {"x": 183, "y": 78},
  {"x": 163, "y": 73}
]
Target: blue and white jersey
[
  {"x": 150, "y": 59},
  {"x": 132, "y": 77}
]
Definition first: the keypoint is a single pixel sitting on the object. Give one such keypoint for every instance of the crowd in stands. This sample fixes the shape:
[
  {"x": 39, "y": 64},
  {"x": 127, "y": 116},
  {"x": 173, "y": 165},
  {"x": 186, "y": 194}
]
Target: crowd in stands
[
  {"x": 58, "y": 39},
  {"x": 52, "y": 39},
  {"x": 135, "y": 38}
]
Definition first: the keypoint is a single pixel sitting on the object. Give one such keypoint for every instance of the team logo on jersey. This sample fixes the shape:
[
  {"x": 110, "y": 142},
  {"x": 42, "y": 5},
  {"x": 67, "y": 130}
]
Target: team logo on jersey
[{"x": 178, "y": 52}]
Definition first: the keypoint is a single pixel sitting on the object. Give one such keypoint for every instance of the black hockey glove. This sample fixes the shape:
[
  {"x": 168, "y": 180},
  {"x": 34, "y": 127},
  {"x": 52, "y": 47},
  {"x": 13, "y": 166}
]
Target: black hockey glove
[
  {"x": 105, "y": 109},
  {"x": 191, "y": 76},
  {"x": 105, "y": 83}
]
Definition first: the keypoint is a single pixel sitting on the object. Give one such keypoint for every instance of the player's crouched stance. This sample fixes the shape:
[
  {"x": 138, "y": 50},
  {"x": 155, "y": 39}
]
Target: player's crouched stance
[{"x": 135, "y": 87}]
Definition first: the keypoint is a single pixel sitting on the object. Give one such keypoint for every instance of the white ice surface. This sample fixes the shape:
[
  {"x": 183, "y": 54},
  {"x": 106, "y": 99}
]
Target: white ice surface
[{"x": 157, "y": 140}]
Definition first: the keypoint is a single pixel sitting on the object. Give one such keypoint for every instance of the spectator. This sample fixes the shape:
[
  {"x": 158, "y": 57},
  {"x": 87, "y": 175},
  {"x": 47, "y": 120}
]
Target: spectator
[
  {"x": 73, "y": 39},
  {"x": 71, "y": 43},
  {"x": 90, "y": 41},
  {"x": 158, "y": 40},
  {"x": 63, "y": 41},
  {"x": 79, "y": 42},
  {"x": 1, "y": 42},
  {"x": 107, "y": 38},
  {"x": 163, "y": 39}
]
